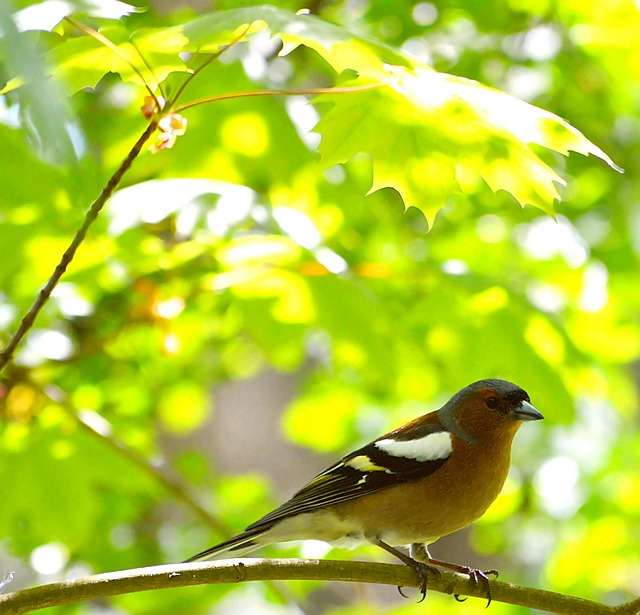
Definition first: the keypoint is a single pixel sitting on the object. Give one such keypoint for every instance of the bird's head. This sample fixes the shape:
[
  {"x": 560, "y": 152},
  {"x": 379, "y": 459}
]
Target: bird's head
[{"x": 486, "y": 408}]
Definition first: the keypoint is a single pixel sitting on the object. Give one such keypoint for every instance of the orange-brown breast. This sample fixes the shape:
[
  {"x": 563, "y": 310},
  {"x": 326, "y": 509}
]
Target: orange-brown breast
[{"x": 447, "y": 500}]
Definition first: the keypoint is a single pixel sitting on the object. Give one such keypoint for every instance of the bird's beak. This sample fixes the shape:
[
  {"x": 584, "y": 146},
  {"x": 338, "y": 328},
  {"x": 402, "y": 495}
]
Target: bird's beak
[{"x": 526, "y": 412}]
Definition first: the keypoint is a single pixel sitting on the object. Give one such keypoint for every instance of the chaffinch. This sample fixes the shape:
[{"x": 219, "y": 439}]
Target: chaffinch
[{"x": 415, "y": 484}]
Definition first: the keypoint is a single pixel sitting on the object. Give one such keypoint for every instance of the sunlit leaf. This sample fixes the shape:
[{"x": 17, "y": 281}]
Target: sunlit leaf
[
  {"x": 48, "y": 14},
  {"x": 40, "y": 100},
  {"x": 426, "y": 128}
]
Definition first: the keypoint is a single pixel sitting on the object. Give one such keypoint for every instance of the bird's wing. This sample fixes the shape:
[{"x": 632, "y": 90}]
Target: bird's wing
[{"x": 383, "y": 463}]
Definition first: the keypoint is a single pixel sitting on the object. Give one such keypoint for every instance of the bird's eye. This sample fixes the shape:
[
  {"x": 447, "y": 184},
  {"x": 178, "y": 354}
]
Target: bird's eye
[{"x": 492, "y": 402}]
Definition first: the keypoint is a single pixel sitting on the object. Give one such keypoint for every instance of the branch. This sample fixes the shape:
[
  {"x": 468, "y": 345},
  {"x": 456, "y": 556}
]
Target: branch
[
  {"x": 171, "y": 484},
  {"x": 237, "y": 571},
  {"x": 67, "y": 257},
  {"x": 92, "y": 213}
]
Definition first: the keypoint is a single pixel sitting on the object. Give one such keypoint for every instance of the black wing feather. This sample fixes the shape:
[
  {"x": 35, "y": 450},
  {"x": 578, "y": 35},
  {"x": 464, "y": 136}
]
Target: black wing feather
[{"x": 342, "y": 482}]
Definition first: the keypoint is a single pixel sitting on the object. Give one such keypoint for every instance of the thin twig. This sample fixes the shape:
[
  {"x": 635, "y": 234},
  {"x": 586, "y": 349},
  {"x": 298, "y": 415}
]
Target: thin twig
[
  {"x": 311, "y": 92},
  {"x": 211, "y": 59},
  {"x": 67, "y": 257},
  {"x": 172, "y": 484},
  {"x": 238, "y": 571}
]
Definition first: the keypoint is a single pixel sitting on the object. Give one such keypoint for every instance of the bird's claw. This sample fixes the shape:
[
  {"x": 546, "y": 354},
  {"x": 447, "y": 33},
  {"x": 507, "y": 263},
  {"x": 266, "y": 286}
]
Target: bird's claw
[
  {"x": 401, "y": 592},
  {"x": 421, "y": 570},
  {"x": 477, "y": 577}
]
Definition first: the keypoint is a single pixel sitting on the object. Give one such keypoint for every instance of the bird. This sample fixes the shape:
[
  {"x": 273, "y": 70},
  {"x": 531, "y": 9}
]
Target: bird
[{"x": 426, "y": 479}]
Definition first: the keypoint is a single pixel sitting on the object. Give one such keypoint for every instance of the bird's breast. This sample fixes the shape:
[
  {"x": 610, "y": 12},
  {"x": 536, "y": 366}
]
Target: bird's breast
[{"x": 446, "y": 501}]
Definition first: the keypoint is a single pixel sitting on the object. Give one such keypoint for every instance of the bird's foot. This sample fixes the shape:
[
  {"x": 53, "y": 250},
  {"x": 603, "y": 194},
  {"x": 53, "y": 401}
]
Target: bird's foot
[
  {"x": 478, "y": 577},
  {"x": 421, "y": 568},
  {"x": 422, "y": 571}
]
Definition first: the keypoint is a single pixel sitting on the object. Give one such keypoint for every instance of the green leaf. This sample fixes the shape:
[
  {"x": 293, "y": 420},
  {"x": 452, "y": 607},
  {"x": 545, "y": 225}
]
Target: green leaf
[
  {"x": 83, "y": 61},
  {"x": 427, "y": 133},
  {"x": 39, "y": 98},
  {"x": 342, "y": 48},
  {"x": 48, "y": 14},
  {"x": 427, "y": 127},
  {"x": 18, "y": 161},
  {"x": 427, "y": 130}
]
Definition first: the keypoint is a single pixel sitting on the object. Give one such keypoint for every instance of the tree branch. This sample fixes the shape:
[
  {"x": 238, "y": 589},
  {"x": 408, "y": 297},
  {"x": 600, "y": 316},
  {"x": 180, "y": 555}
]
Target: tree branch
[
  {"x": 67, "y": 257},
  {"x": 241, "y": 570},
  {"x": 172, "y": 484}
]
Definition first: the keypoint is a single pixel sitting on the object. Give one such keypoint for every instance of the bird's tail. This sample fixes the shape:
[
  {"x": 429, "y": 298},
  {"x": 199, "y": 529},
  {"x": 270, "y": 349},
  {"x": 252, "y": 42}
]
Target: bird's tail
[{"x": 236, "y": 547}]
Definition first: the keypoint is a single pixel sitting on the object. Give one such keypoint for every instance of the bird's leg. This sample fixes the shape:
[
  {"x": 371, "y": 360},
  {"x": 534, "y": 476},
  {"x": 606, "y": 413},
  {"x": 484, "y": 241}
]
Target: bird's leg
[
  {"x": 419, "y": 552},
  {"x": 476, "y": 576},
  {"x": 421, "y": 568}
]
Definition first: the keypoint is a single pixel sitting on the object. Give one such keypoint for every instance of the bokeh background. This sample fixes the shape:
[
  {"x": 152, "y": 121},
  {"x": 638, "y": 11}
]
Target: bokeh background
[{"x": 239, "y": 317}]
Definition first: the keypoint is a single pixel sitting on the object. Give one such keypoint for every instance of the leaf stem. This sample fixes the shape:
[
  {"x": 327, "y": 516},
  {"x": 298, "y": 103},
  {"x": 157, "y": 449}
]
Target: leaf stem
[
  {"x": 213, "y": 58},
  {"x": 149, "y": 68},
  {"x": 310, "y": 92}
]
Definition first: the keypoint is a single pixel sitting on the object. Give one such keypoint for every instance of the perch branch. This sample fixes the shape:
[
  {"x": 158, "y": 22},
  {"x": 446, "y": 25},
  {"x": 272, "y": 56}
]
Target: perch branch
[{"x": 238, "y": 571}]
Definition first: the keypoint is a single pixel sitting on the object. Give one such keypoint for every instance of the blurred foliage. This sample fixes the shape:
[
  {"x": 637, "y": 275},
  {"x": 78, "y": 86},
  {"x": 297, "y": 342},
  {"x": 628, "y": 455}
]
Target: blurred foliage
[{"x": 238, "y": 251}]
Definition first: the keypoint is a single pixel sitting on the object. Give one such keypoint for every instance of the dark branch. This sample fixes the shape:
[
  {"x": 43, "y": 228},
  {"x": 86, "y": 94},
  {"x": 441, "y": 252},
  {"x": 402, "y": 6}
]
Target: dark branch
[{"x": 67, "y": 257}]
